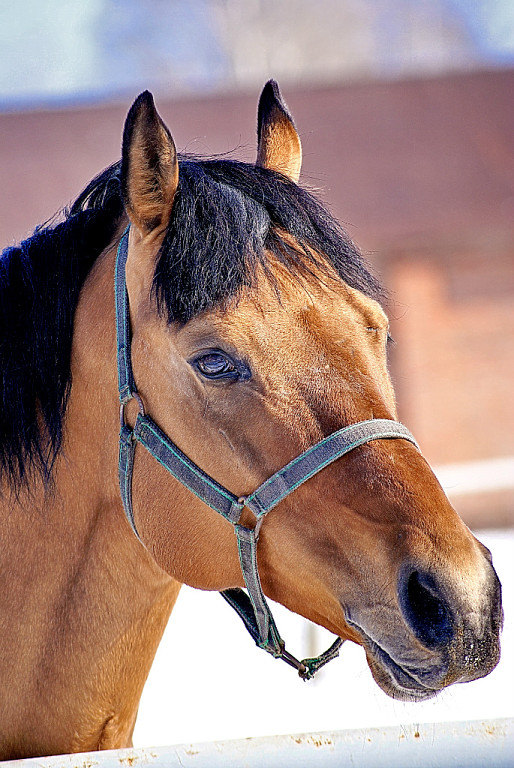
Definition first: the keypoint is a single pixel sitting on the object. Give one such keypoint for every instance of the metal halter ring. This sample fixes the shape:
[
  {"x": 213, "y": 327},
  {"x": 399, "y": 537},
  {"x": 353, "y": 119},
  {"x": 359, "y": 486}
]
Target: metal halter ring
[{"x": 133, "y": 396}]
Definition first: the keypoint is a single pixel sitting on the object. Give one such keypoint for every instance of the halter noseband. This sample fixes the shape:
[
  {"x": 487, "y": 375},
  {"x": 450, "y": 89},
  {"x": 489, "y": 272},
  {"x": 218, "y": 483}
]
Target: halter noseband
[{"x": 251, "y": 606}]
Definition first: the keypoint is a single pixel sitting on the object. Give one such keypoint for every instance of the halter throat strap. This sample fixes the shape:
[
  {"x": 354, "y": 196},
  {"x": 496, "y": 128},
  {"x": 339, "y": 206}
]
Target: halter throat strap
[{"x": 251, "y": 606}]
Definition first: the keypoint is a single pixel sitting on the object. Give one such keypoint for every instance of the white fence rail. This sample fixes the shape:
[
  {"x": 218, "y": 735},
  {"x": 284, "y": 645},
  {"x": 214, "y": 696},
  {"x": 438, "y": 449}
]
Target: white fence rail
[
  {"x": 473, "y": 744},
  {"x": 471, "y": 477}
]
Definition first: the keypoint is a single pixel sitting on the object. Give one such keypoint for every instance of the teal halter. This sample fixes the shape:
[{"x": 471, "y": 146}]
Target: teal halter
[{"x": 251, "y": 606}]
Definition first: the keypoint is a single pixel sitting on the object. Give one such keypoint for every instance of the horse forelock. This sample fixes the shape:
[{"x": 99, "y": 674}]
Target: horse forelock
[{"x": 228, "y": 218}]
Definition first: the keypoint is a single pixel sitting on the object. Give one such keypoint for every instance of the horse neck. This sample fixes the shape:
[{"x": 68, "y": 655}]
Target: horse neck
[{"x": 86, "y": 605}]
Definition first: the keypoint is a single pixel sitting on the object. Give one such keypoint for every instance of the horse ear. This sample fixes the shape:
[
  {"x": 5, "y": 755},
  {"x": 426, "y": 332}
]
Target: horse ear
[
  {"x": 149, "y": 166},
  {"x": 279, "y": 146}
]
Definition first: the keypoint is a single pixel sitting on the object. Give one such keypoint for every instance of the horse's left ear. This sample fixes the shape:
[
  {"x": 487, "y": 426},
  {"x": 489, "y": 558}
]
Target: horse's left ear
[
  {"x": 279, "y": 147},
  {"x": 149, "y": 167}
]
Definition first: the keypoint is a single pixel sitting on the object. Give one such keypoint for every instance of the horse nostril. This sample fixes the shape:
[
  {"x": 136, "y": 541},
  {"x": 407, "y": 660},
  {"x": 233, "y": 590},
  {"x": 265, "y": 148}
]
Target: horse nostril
[{"x": 425, "y": 609}]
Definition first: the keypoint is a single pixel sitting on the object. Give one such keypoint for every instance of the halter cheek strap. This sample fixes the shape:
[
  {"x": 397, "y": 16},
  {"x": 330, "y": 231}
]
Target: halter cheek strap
[{"x": 251, "y": 605}]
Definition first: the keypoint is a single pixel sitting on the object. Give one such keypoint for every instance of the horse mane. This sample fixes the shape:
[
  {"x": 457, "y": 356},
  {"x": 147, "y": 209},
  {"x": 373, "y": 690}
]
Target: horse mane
[
  {"x": 40, "y": 282},
  {"x": 226, "y": 219}
]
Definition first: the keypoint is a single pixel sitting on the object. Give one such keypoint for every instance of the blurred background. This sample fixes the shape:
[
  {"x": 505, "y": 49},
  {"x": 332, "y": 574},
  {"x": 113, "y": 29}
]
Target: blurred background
[{"x": 405, "y": 110}]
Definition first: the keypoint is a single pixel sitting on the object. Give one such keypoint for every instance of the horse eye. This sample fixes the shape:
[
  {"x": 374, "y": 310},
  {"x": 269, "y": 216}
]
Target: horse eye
[{"x": 216, "y": 365}]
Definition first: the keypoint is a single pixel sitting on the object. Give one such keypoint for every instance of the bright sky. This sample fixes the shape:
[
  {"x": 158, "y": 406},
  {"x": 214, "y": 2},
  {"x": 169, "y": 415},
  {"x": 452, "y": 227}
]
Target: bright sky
[{"x": 62, "y": 50}]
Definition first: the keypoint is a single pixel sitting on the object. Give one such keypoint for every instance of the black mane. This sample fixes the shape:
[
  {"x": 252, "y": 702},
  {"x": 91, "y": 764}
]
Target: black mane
[
  {"x": 40, "y": 282},
  {"x": 226, "y": 216}
]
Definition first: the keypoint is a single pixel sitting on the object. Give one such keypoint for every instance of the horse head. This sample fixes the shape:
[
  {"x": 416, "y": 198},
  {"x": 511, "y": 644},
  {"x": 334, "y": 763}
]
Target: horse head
[{"x": 247, "y": 360}]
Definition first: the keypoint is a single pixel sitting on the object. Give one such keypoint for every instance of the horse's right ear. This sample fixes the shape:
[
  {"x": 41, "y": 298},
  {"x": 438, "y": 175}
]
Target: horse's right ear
[{"x": 149, "y": 167}]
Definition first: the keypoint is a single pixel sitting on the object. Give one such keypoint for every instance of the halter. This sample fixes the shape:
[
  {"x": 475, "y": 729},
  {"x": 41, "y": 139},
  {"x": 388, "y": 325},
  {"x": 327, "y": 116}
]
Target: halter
[{"x": 251, "y": 605}]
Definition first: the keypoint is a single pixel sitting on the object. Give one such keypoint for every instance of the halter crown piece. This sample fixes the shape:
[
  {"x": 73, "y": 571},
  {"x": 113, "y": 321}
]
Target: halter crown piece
[{"x": 251, "y": 605}]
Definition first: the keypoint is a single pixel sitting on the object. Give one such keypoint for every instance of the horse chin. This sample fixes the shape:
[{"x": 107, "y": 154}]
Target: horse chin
[{"x": 396, "y": 681}]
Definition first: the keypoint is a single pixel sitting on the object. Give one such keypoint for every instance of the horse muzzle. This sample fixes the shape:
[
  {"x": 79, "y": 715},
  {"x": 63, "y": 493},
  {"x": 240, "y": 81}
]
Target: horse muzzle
[{"x": 433, "y": 638}]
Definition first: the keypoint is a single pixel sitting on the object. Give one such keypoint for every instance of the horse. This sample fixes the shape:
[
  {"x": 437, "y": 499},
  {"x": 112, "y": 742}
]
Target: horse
[{"x": 189, "y": 330}]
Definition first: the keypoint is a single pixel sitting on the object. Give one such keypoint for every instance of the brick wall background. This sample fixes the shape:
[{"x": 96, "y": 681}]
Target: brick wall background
[{"x": 454, "y": 359}]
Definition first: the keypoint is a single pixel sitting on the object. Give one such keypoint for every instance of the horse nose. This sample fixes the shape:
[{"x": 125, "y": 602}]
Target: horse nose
[{"x": 425, "y": 609}]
